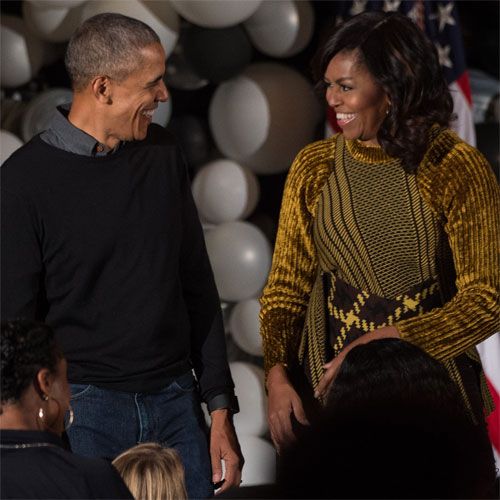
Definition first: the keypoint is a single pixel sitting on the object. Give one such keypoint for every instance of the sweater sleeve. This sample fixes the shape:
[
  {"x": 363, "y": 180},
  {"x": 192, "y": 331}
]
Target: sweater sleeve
[
  {"x": 464, "y": 192},
  {"x": 21, "y": 261},
  {"x": 286, "y": 295},
  {"x": 208, "y": 341}
]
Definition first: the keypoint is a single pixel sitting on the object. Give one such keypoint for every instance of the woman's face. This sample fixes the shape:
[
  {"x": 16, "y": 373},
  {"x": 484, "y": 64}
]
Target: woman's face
[{"x": 359, "y": 101}]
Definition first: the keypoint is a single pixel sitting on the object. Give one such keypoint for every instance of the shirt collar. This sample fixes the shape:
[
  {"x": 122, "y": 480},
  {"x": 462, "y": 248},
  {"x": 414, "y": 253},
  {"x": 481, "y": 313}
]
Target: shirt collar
[
  {"x": 64, "y": 135},
  {"x": 24, "y": 437}
]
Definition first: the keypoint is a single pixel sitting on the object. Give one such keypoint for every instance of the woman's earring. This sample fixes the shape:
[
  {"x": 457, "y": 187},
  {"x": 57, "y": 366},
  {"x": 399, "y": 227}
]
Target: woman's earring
[
  {"x": 41, "y": 412},
  {"x": 71, "y": 417}
]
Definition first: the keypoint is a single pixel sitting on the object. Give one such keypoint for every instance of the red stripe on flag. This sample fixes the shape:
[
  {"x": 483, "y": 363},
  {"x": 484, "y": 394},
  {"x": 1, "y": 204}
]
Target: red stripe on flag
[
  {"x": 464, "y": 84},
  {"x": 493, "y": 418}
]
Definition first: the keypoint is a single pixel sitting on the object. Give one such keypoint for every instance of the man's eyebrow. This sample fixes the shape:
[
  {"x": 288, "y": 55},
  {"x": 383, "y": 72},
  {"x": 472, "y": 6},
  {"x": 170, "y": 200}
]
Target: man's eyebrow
[{"x": 156, "y": 80}]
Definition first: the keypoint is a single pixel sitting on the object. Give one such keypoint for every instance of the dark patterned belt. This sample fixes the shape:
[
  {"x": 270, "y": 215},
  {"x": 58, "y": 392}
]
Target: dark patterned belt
[{"x": 353, "y": 312}]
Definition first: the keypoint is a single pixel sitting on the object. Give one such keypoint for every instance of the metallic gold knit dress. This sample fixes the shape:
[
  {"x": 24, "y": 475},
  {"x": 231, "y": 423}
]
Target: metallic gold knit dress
[{"x": 351, "y": 213}]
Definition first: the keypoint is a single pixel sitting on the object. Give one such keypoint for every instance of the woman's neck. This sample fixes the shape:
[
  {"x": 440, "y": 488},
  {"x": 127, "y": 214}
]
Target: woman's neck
[{"x": 16, "y": 417}]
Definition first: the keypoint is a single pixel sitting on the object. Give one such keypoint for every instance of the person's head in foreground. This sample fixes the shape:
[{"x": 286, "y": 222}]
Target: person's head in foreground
[
  {"x": 395, "y": 426},
  {"x": 383, "y": 79},
  {"x": 152, "y": 472},
  {"x": 116, "y": 65},
  {"x": 35, "y": 394}
]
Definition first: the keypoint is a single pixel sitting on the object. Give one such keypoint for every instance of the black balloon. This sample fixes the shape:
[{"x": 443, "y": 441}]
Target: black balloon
[
  {"x": 217, "y": 54},
  {"x": 180, "y": 73},
  {"x": 193, "y": 137}
]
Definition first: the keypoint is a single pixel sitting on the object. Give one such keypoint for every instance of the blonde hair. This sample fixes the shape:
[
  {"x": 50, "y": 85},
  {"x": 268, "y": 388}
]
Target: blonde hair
[{"x": 152, "y": 472}]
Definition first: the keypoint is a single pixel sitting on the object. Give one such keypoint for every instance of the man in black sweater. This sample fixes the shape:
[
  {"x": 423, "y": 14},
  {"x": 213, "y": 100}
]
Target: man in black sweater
[{"x": 101, "y": 239}]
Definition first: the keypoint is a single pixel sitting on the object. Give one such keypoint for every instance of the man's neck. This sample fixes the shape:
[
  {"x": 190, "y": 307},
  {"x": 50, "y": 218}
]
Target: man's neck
[{"x": 89, "y": 119}]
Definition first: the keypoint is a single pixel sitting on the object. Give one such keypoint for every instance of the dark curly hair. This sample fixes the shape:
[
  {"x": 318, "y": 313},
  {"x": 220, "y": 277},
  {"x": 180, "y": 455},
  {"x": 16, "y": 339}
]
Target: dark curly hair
[
  {"x": 405, "y": 63},
  {"x": 27, "y": 347}
]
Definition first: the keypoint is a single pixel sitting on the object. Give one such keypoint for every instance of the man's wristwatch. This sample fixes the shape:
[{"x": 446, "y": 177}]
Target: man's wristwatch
[{"x": 224, "y": 402}]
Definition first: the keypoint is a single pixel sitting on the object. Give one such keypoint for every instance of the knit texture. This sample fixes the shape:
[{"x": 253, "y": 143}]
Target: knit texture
[{"x": 352, "y": 211}]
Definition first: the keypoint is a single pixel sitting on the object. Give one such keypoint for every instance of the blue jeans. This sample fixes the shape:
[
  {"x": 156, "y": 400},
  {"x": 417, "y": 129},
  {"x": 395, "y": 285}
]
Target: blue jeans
[{"x": 108, "y": 422}]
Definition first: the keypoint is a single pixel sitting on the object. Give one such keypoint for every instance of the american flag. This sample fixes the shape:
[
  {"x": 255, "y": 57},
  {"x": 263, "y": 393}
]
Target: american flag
[{"x": 440, "y": 22}]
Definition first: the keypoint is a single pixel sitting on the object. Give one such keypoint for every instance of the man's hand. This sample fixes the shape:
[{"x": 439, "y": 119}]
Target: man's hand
[
  {"x": 283, "y": 403},
  {"x": 332, "y": 367},
  {"x": 224, "y": 446}
]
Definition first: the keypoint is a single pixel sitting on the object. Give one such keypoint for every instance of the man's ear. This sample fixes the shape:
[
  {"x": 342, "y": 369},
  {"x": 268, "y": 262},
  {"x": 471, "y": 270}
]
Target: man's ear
[{"x": 101, "y": 88}]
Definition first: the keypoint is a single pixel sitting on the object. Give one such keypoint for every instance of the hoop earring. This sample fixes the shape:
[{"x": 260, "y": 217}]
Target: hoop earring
[{"x": 69, "y": 422}]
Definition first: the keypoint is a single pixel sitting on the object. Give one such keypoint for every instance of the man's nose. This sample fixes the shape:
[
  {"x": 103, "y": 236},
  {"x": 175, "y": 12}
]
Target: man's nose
[{"x": 162, "y": 92}]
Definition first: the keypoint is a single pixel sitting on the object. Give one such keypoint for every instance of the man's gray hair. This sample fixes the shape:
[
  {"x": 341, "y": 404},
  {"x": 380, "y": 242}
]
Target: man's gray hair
[{"x": 107, "y": 44}]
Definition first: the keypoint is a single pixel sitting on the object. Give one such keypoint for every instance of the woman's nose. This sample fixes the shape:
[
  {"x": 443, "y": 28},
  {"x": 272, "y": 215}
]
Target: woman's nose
[{"x": 332, "y": 96}]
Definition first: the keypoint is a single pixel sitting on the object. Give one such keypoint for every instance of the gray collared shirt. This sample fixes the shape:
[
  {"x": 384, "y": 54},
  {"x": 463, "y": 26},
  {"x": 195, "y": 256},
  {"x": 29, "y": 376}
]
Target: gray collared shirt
[{"x": 64, "y": 135}]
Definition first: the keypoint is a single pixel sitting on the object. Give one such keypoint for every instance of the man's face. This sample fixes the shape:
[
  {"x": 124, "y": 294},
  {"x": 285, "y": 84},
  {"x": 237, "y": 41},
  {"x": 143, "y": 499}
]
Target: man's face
[{"x": 135, "y": 98}]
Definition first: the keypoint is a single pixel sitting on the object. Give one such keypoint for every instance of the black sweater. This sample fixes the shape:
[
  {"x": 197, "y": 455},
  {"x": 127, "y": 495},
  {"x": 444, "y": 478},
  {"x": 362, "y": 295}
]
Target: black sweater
[
  {"x": 44, "y": 469},
  {"x": 110, "y": 252}
]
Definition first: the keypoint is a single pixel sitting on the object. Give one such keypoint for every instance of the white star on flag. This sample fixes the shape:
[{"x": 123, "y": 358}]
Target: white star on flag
[
  {"x": 444, "y": 55},
  {"x": 413, "y": 14},
  {"x": 416, "y": 14},
  {"x": 444, "y": 16},
  {"x": 358, "y": 6},
  {"x": 391, "y": 5}
]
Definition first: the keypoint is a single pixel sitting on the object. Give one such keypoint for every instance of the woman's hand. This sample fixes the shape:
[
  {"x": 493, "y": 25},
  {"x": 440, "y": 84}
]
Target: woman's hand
[
  {"x": 283, "y": 404},
  {"x": 332, "y": 367}
]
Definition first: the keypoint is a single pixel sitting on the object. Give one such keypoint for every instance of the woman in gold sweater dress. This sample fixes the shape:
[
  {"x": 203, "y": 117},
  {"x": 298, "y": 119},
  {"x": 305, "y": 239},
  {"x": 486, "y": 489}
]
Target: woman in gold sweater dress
[{"x": 389, "y": 229}]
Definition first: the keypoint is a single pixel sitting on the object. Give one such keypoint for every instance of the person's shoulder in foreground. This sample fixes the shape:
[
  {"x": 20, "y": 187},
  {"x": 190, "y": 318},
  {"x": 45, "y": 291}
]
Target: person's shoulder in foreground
[{"x": 53, "y": 472}]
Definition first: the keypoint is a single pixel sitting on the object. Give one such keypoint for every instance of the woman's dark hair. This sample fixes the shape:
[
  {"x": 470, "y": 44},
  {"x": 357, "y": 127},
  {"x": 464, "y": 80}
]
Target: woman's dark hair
[
  {"x": 395, "y": 372},
  {"x": 405, "y": 63},
  {"x": 27, "y": 347},
  {"x": 394, "y": 426}
]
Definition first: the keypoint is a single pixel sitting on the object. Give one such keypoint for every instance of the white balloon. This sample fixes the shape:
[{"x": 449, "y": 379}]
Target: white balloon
[
  {"x": 56, "y": 4},
  {"x": 225, "y": 191},
  {"x": 260, "y": 461},
  {"x": 281, "y": 28},
  {"x": 41, "y": 109},
  {"x": 12, "y": 115},
  {"x": 54, "y": 24},
  {"x": 226, "y": 312},
  {"x": 242, "y": 110},
  {"x": 22, "y": 53},
  {"x": 249, "y": 387},
  {"x": 8, "y": 144},
  {"x": 244, "y": 326},
  {"x": 157, "y": 14},
  {"x": 163, "y": 113},
  {"x": 240, "y": 255},
  {"x": 216, "y": 13}
]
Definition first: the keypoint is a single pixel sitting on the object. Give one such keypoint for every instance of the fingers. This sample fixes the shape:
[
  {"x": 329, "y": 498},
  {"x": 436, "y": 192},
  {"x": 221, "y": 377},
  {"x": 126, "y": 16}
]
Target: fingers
[
  {"x": 280, "y": 425},
  {"x": 216, "y": 466},
  {"x": 232, "y": 476},
  {"x": 298, "y": 411},
  {"x": 329, "y": 364},
  {"x": 325, "y": 382}
]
